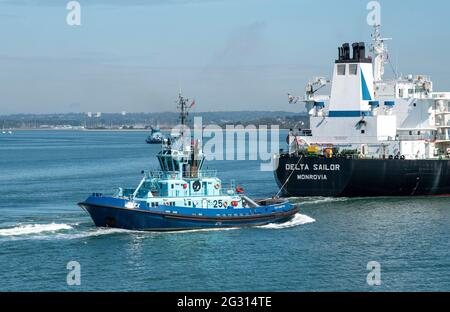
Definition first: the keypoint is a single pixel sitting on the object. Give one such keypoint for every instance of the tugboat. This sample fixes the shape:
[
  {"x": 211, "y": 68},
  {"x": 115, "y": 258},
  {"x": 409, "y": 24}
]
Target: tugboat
[
  {"x": 370, "y": 136},
  {"x": 183, "y": 196},
  {"x": 155, "y": 137}
]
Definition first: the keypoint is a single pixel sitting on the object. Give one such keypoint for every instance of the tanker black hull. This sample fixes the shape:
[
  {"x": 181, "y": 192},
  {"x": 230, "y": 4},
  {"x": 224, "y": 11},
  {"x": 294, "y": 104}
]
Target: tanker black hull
[{"x": 302, "y": 176}]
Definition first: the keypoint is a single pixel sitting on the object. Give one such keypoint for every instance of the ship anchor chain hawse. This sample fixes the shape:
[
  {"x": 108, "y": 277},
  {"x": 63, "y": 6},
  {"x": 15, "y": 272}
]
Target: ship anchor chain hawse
[
  {"x": 371, "y": 136},
  {"x": 183, "y": 196}
]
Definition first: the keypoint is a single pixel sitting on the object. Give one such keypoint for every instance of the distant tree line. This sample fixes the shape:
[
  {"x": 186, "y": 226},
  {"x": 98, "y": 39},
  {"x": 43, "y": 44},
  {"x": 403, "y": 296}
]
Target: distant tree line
[{"x": 285, "y": 120}]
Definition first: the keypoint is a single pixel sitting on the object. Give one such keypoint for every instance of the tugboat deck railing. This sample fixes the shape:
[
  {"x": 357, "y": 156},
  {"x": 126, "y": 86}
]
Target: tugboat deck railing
[
  {"x": 201, "y": 174},
  {"x": 158, "y": 174}
]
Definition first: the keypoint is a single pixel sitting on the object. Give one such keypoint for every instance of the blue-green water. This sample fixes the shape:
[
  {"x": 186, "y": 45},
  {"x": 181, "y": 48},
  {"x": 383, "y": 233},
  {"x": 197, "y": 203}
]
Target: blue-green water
[{"x": 43, "y": 174}]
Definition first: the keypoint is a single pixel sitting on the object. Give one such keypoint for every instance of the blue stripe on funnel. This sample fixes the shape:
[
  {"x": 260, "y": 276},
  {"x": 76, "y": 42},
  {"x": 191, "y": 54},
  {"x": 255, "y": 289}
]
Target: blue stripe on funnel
[{"x": 365, "y": 90}]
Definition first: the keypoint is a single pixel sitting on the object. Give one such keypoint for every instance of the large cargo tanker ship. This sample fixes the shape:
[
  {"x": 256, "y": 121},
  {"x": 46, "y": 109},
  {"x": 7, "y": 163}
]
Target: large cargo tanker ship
[{"x": 371, "y": 136}]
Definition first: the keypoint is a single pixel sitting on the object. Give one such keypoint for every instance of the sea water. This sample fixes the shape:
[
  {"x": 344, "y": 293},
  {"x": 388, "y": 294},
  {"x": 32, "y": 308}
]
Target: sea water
[{"x": 44, "y": 174}]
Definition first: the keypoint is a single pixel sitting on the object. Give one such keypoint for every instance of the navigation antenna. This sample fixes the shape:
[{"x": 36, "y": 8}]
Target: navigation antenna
[
  {"x": 183, "y": 107},
  {"x": 381, "y": 53}
]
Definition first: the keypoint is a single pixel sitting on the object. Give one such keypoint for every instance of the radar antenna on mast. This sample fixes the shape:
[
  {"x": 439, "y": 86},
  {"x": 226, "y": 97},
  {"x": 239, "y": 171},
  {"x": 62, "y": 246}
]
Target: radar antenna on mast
[
  {"x": 183, "y": 107},
  {"x": 380, "y": 52}
]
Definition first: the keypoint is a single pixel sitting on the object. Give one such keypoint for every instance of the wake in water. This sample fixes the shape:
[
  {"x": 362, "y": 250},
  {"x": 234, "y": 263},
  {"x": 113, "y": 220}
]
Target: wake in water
[
  {"x": 53, "y": 231},
  {"x": 316, "y": 200},
  {"x": 93, "y": 232},
  {"x": 299, "y": 219},
  {"x": 28, "y": 229}
]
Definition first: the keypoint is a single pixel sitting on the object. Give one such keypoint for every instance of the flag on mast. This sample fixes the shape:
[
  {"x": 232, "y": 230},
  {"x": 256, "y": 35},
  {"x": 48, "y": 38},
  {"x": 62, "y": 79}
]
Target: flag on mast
[{"x": 293, "y": 99}]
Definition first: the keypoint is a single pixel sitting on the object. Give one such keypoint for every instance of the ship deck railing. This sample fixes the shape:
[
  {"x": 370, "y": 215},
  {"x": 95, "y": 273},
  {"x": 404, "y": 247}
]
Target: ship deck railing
[
  {"x": 414, "y": 137},
  {"x": 158, "y": 174},
  {"x": 128, "y": 194},
  {"x": 201, "y": 174},
  {"x": 442, "y": 138},
  {"x": 124, "y": 192},
  {"x": 302, "y": 133}
]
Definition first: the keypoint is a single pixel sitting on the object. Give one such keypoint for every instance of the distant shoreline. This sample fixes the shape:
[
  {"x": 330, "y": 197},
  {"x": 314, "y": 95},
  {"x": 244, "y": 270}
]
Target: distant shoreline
[
  {"x": 123, "y": 130},
  {"x": 139, "y": 122}
]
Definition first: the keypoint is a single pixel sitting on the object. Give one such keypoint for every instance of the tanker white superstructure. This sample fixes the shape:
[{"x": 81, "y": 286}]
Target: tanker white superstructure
[
  {"x": 371, "y": 136},
  {"x": 376, "y": 117}
]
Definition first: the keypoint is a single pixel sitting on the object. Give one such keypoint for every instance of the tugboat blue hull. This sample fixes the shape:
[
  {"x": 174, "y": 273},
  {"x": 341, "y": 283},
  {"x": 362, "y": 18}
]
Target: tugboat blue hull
[{"x": 112, "y": 212}]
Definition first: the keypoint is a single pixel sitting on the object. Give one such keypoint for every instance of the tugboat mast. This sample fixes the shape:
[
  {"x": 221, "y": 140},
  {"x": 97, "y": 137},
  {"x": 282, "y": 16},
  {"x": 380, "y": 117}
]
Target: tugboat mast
[{"x": 183, "y": 107}]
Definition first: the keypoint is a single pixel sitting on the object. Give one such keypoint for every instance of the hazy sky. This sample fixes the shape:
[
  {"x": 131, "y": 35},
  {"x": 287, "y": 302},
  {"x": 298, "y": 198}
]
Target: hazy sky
[{"x": 133, "y": 55}]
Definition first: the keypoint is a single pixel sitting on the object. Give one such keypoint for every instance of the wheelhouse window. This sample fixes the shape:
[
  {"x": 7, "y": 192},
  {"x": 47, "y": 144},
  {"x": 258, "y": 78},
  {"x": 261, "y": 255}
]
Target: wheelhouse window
[
  {"x": 341, "y": 70},
  {"x": 169, "y": 164}
]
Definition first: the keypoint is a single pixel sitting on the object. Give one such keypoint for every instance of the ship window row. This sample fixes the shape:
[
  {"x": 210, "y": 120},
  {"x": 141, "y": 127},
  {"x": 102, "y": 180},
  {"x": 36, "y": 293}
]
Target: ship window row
[
  {"x": 342, "y": 69},
  {"x": 401, "y": 92},
  {"x": 168, "y": 164}
]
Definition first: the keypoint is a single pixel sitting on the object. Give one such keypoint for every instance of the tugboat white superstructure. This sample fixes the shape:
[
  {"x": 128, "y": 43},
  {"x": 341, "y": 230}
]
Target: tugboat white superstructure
[
  {"x": 370, "y": 137},
  {"x": 182, "y": 196}
]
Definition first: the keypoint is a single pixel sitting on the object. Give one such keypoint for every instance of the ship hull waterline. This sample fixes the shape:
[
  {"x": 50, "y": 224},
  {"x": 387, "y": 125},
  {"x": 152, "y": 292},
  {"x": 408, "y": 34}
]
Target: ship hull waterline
[
  {"x": 145, "y": 220},
  {"x": 301, "y": 176}
]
